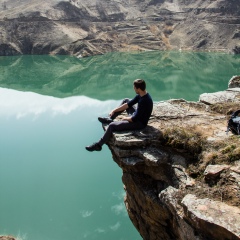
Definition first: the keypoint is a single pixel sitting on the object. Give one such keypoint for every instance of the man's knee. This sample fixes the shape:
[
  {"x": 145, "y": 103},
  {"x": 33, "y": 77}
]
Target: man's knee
[
  {"x": 125, "y": 100},
  {"x": 111, "y": 126},
  {"x": 117, "y": 126}
]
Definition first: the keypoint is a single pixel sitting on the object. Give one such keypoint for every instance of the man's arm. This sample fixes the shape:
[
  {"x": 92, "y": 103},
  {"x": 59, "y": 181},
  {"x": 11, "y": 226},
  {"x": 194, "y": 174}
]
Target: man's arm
[{"x": 120, "y": 109}]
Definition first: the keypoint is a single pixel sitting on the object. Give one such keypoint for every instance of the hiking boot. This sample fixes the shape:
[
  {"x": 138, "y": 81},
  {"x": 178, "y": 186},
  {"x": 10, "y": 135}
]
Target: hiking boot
[
  {"x": 94, "y": 147},
  {"x": 106, "y": 120}
]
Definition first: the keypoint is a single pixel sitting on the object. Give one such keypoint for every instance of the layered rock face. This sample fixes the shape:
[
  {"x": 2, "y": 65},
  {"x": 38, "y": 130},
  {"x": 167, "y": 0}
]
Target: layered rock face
[
  {"x": 182, "y": 173},
  {"x": 84, "y": 28}
]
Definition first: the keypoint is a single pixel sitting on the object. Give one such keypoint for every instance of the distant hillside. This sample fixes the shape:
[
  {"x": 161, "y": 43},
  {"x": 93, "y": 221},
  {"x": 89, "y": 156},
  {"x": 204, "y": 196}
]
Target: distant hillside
[{"x": 89, "y": 27}]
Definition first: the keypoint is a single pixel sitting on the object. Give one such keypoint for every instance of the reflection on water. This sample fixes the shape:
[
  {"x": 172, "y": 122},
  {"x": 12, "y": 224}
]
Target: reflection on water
[
  {"x": 20, "y": 104},
  {"x": 169, "y": 74},
  {"x": 51, "y": 188}
]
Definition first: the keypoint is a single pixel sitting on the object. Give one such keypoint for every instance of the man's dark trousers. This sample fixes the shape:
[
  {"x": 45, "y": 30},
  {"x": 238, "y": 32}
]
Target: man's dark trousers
[{"x": 119, "y": 126}]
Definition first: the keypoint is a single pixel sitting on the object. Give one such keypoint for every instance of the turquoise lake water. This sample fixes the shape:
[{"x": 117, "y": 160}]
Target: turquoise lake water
[{"x": 51, "y": 188}]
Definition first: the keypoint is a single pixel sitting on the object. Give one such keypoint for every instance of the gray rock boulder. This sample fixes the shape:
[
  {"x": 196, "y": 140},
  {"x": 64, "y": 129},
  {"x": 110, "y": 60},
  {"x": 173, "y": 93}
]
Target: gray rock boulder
[
  {"x": 218, "y": 220},
  {"x": 232, "y": 94},
  {"x": 229, "y": 95},
  {"x": 234, "y": 82}
]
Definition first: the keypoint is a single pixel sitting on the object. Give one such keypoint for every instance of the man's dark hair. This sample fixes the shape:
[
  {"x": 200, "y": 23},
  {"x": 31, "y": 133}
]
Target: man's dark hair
[{"x": 140, "y": 83}]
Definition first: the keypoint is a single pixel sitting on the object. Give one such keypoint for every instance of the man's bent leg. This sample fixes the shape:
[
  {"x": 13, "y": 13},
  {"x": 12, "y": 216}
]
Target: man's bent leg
[
  {"x": 130, "y": 110},
  {"x": 119, "y": 126},
  {"x": 108, "y": 120}
]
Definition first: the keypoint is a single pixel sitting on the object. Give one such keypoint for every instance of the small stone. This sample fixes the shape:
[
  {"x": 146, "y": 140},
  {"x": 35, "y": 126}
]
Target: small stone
[
  {"x": 214, "y": 170},
  {"x": 7, "y": 238},
  {"x": 234, "y": 82}
]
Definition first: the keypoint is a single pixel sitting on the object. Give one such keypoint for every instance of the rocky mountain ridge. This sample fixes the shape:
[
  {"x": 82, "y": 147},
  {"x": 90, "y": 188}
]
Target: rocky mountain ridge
[{"x": 84, "y": 28}]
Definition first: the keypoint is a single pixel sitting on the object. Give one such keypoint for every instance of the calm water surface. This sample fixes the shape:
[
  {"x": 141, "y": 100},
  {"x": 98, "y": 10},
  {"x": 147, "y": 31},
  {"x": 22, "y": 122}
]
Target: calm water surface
[{"x": 51, "y": 188}]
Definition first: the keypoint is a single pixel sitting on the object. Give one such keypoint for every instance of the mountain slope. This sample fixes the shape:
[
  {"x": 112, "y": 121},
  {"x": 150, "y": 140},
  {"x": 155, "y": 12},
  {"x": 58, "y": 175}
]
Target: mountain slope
[{"x": 84, "y": 28}]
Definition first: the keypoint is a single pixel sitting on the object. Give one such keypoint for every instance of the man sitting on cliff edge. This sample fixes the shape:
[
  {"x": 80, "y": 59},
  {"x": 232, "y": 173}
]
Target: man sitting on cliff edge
[{"x": 137, "y": 120}]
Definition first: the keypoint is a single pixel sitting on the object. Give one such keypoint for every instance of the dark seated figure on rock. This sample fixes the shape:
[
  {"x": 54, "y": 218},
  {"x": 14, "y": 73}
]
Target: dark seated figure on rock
[{"x": 137, "y": 119}]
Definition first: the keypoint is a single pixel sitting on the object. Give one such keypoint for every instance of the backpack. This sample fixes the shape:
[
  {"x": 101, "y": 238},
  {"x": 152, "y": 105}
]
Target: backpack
[{"x": 234, "y": 123}]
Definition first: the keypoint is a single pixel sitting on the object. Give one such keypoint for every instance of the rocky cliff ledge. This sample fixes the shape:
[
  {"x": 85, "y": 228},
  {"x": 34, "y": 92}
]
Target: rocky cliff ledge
[
  {"x": 90, "y": 27},
  {"x": 182, "y": 173}
]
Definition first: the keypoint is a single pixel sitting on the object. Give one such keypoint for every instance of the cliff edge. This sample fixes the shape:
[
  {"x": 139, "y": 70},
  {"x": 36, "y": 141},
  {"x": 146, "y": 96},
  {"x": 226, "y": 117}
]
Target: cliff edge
[{"x": 181, "y": 173}]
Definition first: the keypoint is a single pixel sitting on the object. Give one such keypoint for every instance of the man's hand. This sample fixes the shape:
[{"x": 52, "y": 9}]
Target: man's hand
[
  {"x": 111, "y": 113},
  {"x": 119, "y": 109}
]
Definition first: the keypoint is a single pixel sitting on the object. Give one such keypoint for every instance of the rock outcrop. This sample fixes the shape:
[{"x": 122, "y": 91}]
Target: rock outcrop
[
  {"x": 7, "y": 238},
  {"x": 90, "y": 27},
  {"x": 181, "y": 173}
]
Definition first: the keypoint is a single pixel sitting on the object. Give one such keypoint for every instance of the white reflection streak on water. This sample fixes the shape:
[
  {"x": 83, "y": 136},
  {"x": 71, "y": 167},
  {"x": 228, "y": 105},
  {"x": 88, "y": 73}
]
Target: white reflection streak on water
[
  {"x": 86, "y": 213},
  {"x": 21, "y": 104},
  {"x": 119, "y": 209},
  {"x": 115, "y": 227},
  {"x": 29, "y": 105}
]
